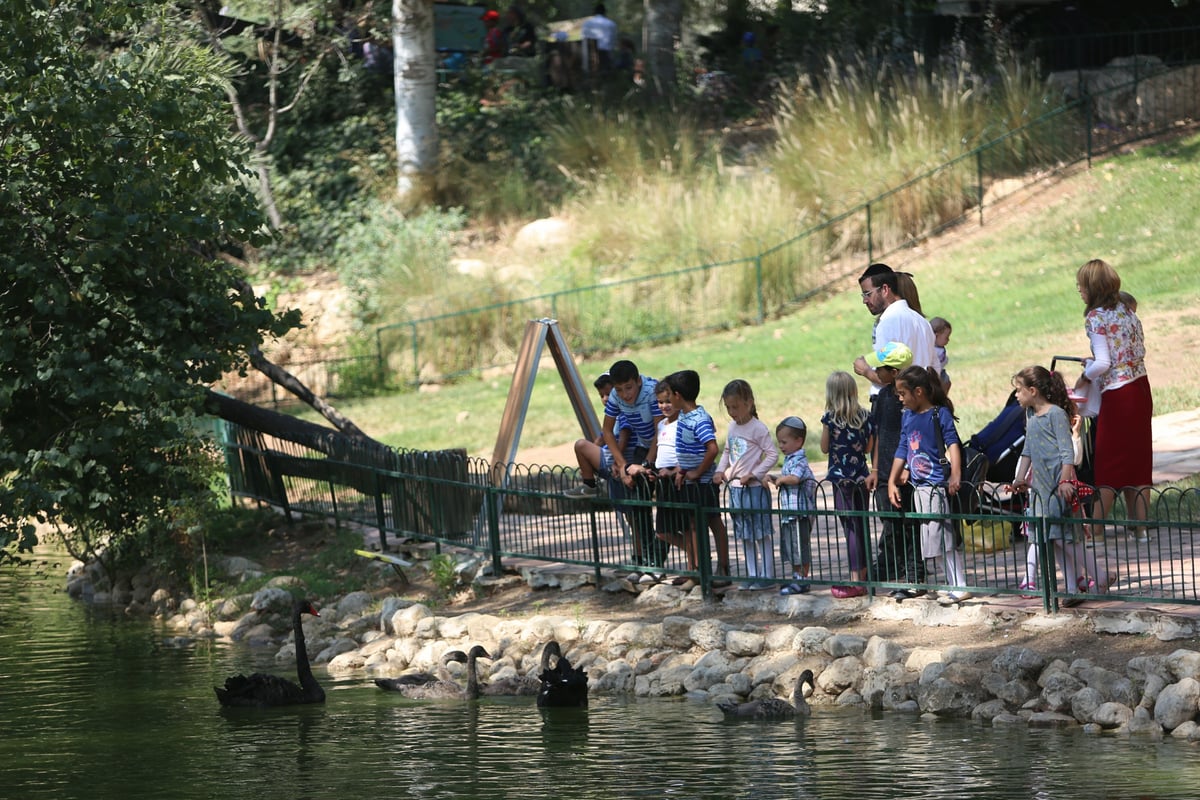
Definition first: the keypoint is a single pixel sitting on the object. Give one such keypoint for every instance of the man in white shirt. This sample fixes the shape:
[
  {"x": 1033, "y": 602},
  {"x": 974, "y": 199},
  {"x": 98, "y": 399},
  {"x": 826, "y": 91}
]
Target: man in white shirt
[
  {"x": 604, "y": 31},
  {"x": 897, "y": 322}
]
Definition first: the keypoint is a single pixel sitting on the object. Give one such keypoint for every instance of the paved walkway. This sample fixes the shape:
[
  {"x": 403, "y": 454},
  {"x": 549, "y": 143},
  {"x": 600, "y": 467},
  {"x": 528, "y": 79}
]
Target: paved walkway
[{"x": 1176, "y": 445}]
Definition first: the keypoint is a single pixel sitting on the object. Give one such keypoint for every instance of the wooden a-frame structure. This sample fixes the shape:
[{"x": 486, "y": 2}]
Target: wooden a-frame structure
[{"x": 539, "y": 333}]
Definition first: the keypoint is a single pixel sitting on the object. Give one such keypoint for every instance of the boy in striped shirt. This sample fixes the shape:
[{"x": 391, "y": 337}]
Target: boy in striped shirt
[{"x": 696, "y": 451}]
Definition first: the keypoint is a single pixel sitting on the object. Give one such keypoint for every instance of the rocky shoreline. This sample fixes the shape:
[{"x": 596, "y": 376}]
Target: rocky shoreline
[{"x": 710, "y": 660}]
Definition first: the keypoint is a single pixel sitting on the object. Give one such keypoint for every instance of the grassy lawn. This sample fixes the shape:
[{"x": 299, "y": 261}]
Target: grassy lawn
[{"x": 1007, "y": 288}]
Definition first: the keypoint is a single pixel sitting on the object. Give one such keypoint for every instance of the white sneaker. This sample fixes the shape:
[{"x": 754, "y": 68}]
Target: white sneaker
[
  {"x": 581, "y": 492},
  {"x": 953, "y": 598}
]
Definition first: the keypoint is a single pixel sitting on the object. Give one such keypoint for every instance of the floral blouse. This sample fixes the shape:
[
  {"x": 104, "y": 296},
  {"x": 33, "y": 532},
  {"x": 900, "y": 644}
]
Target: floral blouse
[
  {"x": 847, "y": 449},
  {"x": 1121, "y": 330}
]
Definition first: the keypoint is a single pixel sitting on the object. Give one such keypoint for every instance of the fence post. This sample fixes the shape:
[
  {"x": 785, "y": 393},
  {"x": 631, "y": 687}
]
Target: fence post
[
  {"x": 380, "y": 513},
  {"x": 870, "y": 252},
  {"x": 1087, "y": 120},
  {"x": 703, "y": 554},
  {"x": 595, "y": 530},
  {"x": 1045, "y": 557},
  {"x": 416, "y": 356},
  {"x": 758, "y": 281},
  {"x": 493, "y": 522},
  {"x": 379, "y": 371},
  {"x": 979, "y": 179}
]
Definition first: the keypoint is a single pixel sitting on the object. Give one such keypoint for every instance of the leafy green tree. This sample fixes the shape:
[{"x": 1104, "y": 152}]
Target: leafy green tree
[{"x": 121, "y": 185}]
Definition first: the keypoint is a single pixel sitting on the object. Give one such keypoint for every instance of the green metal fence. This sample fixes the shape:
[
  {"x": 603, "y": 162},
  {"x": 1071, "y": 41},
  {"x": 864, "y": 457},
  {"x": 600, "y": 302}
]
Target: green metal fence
[{"x": 449, "y": 498}]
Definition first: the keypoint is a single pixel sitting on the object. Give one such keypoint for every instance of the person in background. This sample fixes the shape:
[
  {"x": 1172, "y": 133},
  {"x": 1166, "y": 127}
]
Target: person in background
[
  {"x": 519, "y": 33},
  {"x": 941, "y": 337},
  {"x": 848, "y": 435},
  {"x": 899, "y": 552},
  {"x": 752, "y": 54},
  {"x": 493, "y": 37},
  {"x": 696, "y": 450},
  {"x": 603, "y": 31},
  {"x": 749, "y": 455},
  {"x": 1123, "y": 458},
  {"x": 797, "y": 492},
  {"x": 930, "y": 458},
  {"x": 906, "y": 287}
]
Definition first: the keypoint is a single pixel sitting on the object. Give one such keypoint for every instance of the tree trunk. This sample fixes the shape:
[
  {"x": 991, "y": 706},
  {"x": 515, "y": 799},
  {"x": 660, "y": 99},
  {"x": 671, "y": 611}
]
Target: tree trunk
[
  {"x": 660, "y": 31},
  {"x": 332, "y": 443},
  {"x": 281, "y": 377},
  {"x": 416, "y": 90}
]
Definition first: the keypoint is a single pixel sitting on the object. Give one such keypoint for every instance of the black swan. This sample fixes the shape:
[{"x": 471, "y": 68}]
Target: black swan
[
  {"x": 527, "y": 685},
  {"x": 449, "y": 690},
  {"x": 262, "y": 690},
  {"x": 563, "y": 686},
  {"x": 422, "y": 678},
  {"x": 773, "y": 707}
]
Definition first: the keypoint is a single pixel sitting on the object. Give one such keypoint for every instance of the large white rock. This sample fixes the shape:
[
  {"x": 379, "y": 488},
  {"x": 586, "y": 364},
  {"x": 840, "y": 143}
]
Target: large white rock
[{"x": 543, "y": 234}]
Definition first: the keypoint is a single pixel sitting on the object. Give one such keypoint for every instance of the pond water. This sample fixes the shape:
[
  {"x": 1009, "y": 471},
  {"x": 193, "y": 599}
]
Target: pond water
[{"x": 96, "y": 705}]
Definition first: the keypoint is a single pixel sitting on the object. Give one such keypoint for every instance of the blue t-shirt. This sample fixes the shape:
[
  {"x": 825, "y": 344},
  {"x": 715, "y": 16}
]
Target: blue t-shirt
[
  {"x": 919, "y": 445},
  {"x": 693, "y": 432},
  {"x": 639, "y": 415}
]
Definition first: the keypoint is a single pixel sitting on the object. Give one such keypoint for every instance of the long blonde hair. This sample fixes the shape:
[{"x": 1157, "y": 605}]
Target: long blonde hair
[{"x": 841, "y": 400}]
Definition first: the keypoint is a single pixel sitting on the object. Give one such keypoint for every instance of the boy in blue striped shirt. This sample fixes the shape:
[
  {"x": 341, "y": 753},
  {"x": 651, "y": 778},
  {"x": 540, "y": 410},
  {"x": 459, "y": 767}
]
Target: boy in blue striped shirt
[
  {"x": 696, "y": 451},
  {"x": 632, "y": 402}
]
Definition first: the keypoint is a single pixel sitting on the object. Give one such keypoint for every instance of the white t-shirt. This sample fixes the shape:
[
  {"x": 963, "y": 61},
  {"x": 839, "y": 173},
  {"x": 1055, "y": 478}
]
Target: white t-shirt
[
  {"x": 899, "y": 323},
  {"x": 602, "y": 29},
  {"x": 665, "y": 455}
]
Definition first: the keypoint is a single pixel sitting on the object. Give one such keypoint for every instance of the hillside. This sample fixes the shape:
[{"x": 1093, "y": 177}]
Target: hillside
[{"x": 1007, "y": 287}]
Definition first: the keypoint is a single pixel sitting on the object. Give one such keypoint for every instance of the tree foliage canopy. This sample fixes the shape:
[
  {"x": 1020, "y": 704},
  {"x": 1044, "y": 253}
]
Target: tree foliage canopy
[{"x": 120, "y": 184}]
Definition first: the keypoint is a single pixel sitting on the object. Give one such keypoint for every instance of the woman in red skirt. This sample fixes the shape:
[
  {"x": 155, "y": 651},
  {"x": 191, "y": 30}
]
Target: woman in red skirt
[{"x": 1123, "y": 456}]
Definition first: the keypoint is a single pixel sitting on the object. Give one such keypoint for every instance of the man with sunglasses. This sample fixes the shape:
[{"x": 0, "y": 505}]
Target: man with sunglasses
[{"x": 896, "y": 322}]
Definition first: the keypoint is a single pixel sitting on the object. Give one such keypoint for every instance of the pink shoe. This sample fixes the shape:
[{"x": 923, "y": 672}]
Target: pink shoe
[{"x": 1028, "y": 586}]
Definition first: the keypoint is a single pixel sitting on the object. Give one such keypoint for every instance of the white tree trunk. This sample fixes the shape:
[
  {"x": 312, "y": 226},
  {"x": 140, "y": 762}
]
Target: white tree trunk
[
  {"x": 416, "y": 90},
  {"x": 660, "y": 30}
]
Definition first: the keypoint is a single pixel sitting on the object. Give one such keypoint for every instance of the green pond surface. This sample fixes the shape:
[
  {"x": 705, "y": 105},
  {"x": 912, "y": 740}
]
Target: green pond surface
[{"x": 94, "y": 704}]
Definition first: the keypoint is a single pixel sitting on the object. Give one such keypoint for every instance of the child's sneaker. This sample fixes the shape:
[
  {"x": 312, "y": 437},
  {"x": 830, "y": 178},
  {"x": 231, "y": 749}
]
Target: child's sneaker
[
  {"x": 1028, "y": 586},
  {"x": 795, "y": 587},
  {"x": 581, "y": 492}
]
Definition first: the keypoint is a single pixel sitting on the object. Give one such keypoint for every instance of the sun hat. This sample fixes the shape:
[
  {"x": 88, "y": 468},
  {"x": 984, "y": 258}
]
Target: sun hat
[{"x": 893, "y": 354}]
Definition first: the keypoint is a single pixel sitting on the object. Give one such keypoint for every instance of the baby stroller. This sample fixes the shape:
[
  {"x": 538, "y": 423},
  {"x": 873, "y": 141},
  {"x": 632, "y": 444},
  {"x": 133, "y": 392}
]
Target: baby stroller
[{"x": 1000, "y": 442}]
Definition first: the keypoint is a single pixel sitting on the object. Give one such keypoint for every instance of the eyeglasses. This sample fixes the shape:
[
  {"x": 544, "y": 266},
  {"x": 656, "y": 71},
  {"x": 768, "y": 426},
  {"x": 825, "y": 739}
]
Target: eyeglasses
[{"x": 870, "y": 292}]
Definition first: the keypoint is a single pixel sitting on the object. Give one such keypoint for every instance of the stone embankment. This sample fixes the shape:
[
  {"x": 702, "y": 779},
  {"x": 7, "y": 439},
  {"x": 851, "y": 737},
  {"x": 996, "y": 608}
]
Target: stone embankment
[{"x": 709, "y": 660}]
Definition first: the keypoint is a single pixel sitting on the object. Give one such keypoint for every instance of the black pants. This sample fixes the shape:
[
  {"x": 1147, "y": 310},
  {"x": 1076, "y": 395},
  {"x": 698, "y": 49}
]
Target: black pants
[
  {"x": 898, "y": 556},
  {"x": 653, "y": 551}
]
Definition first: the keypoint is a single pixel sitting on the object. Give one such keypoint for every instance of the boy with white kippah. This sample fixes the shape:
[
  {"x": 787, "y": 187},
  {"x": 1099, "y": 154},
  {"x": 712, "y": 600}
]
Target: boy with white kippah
[{"x": 797, "y": 493}]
